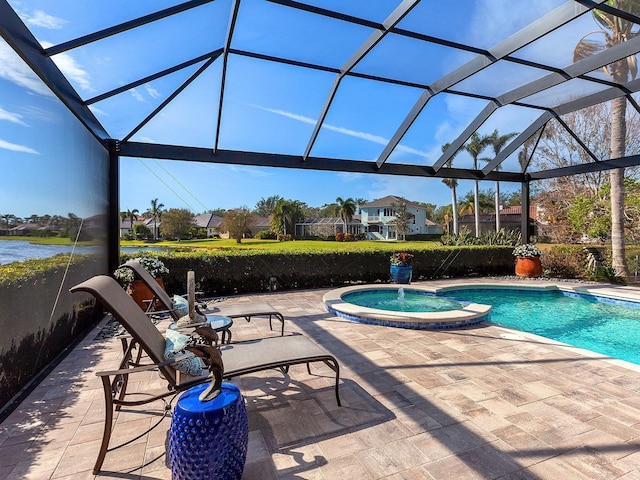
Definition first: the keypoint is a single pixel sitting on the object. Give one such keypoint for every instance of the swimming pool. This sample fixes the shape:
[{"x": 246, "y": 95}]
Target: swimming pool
[
  {"x": 600, "y": 324},
  {"x": 402, "y": 300}
]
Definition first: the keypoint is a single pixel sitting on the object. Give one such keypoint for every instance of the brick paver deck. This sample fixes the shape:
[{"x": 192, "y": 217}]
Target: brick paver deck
[{"x": 477, "y": 403}]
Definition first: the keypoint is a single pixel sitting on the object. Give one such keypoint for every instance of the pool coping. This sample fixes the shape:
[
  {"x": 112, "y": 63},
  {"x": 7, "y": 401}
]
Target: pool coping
[{"x": 470, "y": 314}]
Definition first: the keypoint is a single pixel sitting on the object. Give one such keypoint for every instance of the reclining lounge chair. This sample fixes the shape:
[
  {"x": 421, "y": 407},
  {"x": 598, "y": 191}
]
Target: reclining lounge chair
[
  {"x": 239, "y": 358},
  {"x": 261, "y": 309}
]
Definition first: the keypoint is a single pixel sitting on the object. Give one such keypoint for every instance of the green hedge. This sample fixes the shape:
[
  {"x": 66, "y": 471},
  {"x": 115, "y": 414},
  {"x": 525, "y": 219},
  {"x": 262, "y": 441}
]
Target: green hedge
[{"x": 227, "y": 272}]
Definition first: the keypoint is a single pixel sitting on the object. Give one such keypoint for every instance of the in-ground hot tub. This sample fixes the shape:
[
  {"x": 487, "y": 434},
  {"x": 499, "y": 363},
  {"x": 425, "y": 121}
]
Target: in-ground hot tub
[{"x": 405, "y": 307}]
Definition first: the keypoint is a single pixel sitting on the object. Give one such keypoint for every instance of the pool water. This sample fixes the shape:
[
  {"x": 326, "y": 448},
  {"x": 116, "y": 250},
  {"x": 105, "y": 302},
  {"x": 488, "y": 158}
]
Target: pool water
[
  {"x": 605, "y": 326},
  {"x": 402, "y": 300}
]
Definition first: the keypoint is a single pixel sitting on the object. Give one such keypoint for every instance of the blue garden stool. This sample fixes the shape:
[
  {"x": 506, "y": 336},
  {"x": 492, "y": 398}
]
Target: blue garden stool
[{"x": 208, "y": 440}]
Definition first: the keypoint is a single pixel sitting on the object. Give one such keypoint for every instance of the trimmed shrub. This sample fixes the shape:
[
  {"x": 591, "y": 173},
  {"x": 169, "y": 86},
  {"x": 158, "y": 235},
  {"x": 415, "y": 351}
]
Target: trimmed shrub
[
  {"x": 266, "y": 235},
  {"x": 239, "y": 271}
]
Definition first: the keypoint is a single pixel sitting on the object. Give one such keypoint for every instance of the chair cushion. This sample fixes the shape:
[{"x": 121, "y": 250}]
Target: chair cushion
[
  {"x": 176, "y": 342},
  {"x": 180, "y": 305}
]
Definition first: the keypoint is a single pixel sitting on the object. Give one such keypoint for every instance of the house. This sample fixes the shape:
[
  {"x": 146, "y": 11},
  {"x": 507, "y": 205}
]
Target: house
[
  {"x": 510, "y": 219},
  {"x": 209, "y": 224},
  {"x": 377, "y": 219},
  {"x": 256, "y": 224},
  {"x": 126, "y": 226},
  {"x": 24, "y": 229}
]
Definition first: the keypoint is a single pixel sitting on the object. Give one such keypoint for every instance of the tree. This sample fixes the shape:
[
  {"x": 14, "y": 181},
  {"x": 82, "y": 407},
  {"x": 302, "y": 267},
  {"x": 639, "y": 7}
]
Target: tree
[
  {"x": 452, "y": 183},
  {"x": 498, "y": 142},
  {"x": 615, "y": 30},
  {"x": 475, "y": 147},
  {"x": 286, "y": 214},
  {"x": 177, "y": 223},
  {"x": 266, "y": 206},
  {"x": 482, "y": 201},
  {"x": 359, "y": 202},
  {"x": 346, "y": 209},
  {"x": 219, "y": 212},
  {"x": 430, "y": 209},
  {"x": 402, "y": 218},
  {"x": 591, "y": 214},
  {"x": 142, "y": 232},
  {"x": 557, "y": 148},
  {"x": 156, "y": 213},
  {"x": 237, "y": 222},
  {"x": 9, "y": 219}
]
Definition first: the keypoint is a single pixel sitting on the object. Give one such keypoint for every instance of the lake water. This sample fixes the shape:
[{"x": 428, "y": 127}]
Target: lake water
[{"x": 21, "y": 250}]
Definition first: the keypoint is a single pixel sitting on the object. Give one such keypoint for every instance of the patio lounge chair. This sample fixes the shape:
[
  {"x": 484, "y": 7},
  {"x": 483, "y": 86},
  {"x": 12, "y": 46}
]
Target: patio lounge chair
[
  {"x": 261, "y": 309},
  {"x": 239, "y": 358}
]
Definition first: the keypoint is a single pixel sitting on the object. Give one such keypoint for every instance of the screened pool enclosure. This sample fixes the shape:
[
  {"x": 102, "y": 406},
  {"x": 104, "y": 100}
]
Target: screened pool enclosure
[{"x": 376, "y": 87}]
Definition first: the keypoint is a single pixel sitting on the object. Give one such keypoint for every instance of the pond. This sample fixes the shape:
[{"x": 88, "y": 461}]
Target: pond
[{"x": 21, "y": 250}]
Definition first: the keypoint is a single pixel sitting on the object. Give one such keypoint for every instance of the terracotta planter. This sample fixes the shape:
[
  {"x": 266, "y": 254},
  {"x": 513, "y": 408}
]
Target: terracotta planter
[
  {"x": 140, "y": 292},
  {"x": 529, "y": 267}
]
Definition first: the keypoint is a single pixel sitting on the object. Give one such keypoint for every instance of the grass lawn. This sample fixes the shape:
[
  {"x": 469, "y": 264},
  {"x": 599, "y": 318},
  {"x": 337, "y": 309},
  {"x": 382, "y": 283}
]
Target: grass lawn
[{"x": 296, "y": 245}]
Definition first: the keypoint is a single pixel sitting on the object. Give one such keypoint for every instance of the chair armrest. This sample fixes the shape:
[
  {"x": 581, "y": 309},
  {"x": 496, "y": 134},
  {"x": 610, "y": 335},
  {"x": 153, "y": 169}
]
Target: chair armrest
[{"x": 144, "y": 368}]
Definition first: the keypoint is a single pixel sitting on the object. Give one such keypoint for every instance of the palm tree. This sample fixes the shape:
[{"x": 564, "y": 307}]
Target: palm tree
[
  {"x": 346, "y": 209},
  {"x": 475, "y": 146},
  {"x": 286, "y": 214},
  {"x": 156, "y": 211},
  {"x": 131, "y": 214},
  {"x": 452, "y": 183},
  {"x": 498, "y": 142},
  {"x": 615, "y": 30}
]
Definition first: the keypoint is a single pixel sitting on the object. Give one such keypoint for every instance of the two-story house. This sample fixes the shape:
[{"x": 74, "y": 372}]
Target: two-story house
[{"x": 377, "y": 218}]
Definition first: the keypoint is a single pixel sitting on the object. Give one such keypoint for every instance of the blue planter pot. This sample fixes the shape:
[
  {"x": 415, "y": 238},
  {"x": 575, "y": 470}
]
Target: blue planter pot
[{"x": 401, "y": 273}]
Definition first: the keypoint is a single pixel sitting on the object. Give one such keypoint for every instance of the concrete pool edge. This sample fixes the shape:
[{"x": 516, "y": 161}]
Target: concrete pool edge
[{"x": 469, "y": 315}]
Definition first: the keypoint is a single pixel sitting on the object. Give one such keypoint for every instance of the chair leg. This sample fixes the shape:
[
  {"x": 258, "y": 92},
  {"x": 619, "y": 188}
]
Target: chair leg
[
  {"x": 335, "y": 366},
  {"x": 108, "y": 424}
]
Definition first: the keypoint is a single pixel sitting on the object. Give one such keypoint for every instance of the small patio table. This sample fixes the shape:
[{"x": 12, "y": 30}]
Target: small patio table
[{"x": 208, "y": 440}]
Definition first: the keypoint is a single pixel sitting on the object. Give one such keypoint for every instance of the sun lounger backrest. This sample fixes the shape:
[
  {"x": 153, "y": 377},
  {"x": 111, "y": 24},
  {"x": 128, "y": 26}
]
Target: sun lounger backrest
[
  {"x": 158, "y": 292},
  {"x": 116, "y": 301}
]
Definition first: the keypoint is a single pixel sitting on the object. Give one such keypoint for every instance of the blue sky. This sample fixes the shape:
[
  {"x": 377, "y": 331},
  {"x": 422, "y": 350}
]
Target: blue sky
[{"x": 268, "y": 106}]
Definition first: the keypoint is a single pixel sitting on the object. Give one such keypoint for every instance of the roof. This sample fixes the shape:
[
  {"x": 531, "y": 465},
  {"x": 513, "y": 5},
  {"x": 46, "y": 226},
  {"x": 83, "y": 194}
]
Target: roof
[
  {"x": 388, "y": 201},
  {"x": 208, "y": 220},
  {"x": 258, "y": 221},
  {"x": 517, "y": 210},
  {"x": 358, "y": 86}
]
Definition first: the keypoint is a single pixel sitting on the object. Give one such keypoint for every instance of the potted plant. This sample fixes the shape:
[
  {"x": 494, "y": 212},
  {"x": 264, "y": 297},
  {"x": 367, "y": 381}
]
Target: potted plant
[
  {"x": 401, "y": 267},
  {"x": 528, "y": 263},
  {"x": 137, "y": 288}
]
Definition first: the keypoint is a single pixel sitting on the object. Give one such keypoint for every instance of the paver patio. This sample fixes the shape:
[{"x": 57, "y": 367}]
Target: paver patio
[{"x": 476, "y": 403}]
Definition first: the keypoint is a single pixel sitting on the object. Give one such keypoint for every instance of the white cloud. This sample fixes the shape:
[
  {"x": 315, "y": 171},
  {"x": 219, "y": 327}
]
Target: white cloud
[
  {"x": 12, "y": 68},
  {"x": 153, "y": 93},
  {"x": 250, "y": 171},
  {"x": 17, "y": 148},
  {"x": 11, "y": 117},
  {"x": 71, "y": 69},
  {"x": 98, "y": 111},
  {"x": 41, "y": 19},
  {"x": 345, "y": 131},
  {"x": 135, "y": 94}
]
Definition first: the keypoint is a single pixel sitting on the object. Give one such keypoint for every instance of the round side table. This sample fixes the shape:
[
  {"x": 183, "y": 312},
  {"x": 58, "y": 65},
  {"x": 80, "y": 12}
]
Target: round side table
[{"x": 208, "y": 440}]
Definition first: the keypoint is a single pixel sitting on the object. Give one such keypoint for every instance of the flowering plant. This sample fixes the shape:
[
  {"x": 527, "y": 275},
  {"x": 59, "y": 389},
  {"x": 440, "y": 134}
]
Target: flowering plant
[
  {"x": 527, "y": 250},
  {"x": 401, "y": 259},
  {"x": 153, "y": 265}
]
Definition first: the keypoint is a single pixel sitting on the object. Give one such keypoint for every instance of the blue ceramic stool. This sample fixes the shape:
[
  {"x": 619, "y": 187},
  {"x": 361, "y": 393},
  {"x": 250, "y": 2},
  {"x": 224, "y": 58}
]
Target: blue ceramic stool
[{"x": 208, "y": 440}]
